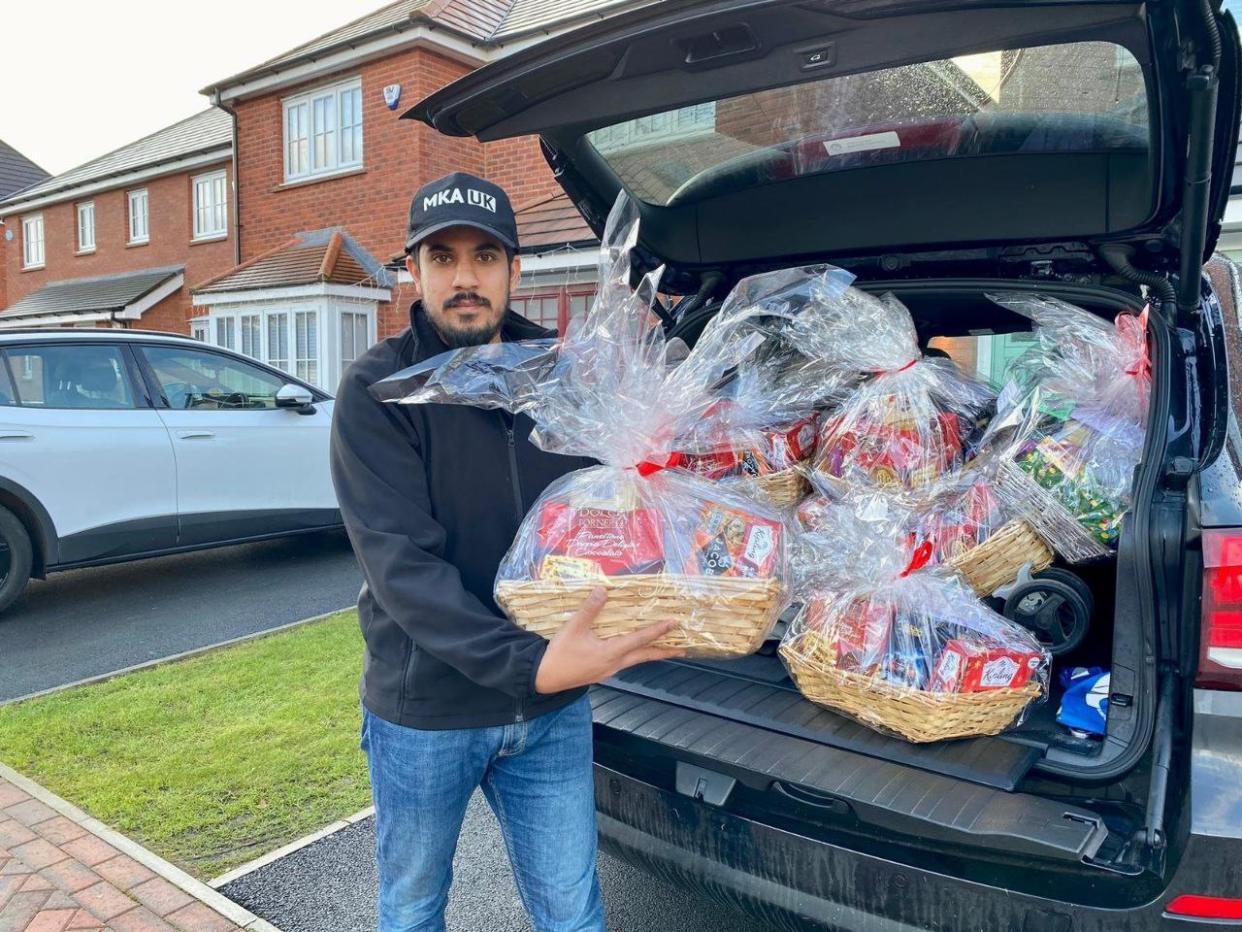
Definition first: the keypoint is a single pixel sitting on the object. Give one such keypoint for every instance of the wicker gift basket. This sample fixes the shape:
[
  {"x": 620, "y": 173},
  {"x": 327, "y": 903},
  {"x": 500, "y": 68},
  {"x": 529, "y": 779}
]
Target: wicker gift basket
[
  {"x": 1072, "y": 420},
  {"x": 896, "y": 643},
  {"x": 741, "y": 611},
  {"x": 767, "y": 464},
  {"x": 906, "y": 423},
  {"x": 785, "y": 487},
  {"x": 917, "y": 715},
  {"x": 973, "y": 530},
  {"x": 669, "y": 545},
  {"x": 998, "y": 560}
]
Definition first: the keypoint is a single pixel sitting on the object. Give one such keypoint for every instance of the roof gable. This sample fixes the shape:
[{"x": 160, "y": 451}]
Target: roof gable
[
  {"x": 328, "y": 256},
  {"x": 17, "y": 172}
]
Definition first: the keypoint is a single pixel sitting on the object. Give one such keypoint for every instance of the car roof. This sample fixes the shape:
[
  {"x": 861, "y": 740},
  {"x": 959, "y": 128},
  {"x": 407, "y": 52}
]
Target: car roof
[{"x": 62, "y": 333}]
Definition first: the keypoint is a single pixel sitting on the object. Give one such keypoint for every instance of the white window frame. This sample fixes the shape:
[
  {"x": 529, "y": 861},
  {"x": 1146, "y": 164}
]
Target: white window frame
[
  {"x": 225, "y": 324},
  {"x": 86, "y": 223},
  {"x": 359, "y": 342},
  {"x": 683, "y": 123},
  {"x": 250, "y": 347},
  {"x": 308, "y": 367},
  {"x": 313, "y": 129},
  {"x": 139, "y": 232},
  {"x": 200, "y": 329},
  {"x": 277, "y": 360},
  {"x": 278, "y": 322},
  {"x": 209, "y": 197},
  {"x": 33, "y": 252}
]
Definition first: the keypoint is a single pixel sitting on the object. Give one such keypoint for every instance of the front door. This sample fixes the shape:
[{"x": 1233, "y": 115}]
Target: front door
[{"x": 245, "y": 468}]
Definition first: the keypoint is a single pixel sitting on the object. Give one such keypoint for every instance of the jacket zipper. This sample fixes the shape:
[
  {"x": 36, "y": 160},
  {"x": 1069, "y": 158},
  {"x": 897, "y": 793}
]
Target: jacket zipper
[{"x": 510, "y": 421}]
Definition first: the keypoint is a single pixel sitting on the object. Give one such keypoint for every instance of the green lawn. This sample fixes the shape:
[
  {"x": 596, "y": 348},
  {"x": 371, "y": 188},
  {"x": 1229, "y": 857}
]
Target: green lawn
[{"x": 212, "y": 761}]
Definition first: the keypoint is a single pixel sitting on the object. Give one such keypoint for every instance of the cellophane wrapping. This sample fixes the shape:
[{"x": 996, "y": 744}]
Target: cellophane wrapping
[
  {"x": 1073, "y": 415},
  {"x": 896, "y": 644},
  {"x": 954, "y": 517},
  {"x": 664, "y": 543},
  {"x": 762, "y": 428},
  {"x": 910, "y": 420}
]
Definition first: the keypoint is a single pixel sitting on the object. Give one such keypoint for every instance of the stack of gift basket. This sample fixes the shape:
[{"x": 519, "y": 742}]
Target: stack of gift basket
[
  {"x": 664, "y": 541},
  {"x": 806, "y": 453}
]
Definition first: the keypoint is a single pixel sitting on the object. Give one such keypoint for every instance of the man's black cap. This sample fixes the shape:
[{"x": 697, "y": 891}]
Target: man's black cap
[{"x": 457, "y": 200}]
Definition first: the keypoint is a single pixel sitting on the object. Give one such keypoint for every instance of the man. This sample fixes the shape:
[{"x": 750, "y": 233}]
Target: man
[{"x": 455, "y": 696}]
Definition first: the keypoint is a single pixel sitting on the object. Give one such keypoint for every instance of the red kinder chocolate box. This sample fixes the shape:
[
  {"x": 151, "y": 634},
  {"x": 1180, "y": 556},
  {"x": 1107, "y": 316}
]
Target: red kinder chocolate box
[
  {"x": 620, "y": 543},
  {"x": 968, "y": 666}
]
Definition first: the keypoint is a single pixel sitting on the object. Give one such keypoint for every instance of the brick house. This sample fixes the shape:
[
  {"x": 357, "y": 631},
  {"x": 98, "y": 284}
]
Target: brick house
[
  {"x": 113, "y": 242},
  {"x": 16, "y": 174},
  {"x": 320, "y": 148}
]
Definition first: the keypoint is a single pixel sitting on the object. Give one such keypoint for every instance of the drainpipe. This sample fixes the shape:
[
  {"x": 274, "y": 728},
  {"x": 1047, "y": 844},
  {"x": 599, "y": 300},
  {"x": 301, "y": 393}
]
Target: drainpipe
[{"x": 232, "y": 112}]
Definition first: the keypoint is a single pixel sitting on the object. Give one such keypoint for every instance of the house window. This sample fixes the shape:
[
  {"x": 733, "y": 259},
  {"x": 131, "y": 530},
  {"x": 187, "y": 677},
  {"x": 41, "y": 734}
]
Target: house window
[
  {"x": 659, "y": 127},
  {"x": 226, "y": 332},
  {"x": 355, "y": 337},
  {"x": 554, "y": 309},
  {"x": 306, "y": 346},
  {"x": 32, "y": 242},
  {"x": 86, "y": 227},
  {"x": 199, "y": 330},
  {"x": 139, "y": 227},
  {"x": 323, "y": 131},
  {"x": 211, "y": 206},
  {"x": 250, "y": 331},
  {"x": 544, "y": 310},
  {"x": 278, "y": 341}
]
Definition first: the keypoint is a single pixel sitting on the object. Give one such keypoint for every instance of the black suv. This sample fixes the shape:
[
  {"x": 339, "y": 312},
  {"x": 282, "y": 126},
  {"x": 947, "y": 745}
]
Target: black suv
[{"x": 940, "y": 150}]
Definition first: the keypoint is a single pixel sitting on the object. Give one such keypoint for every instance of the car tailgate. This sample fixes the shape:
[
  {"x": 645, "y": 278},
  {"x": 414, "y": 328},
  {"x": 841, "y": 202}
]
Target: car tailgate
[{"x": 879, "y": 793}]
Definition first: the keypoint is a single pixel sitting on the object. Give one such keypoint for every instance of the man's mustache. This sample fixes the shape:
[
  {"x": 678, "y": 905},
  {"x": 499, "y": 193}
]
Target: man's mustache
[{"x": 466, "y": 297}]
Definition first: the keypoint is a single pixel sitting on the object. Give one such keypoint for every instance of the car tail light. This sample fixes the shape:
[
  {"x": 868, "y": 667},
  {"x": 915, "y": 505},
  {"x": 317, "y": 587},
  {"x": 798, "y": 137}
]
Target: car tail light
[
  {"x": 1220, "y": 649},
  {"x": 1205, "y": 907}
]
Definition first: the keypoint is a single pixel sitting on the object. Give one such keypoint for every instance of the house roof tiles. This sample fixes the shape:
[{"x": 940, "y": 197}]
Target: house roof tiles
[
  {"x": 484, "y": 23},
  {"x": 103, "y": 293},
  {"x": 198, "y": 134},
  {"x": 551, "y": 222},
  {"x": 16, "y": 171},
  {"x": 328, "y": 256}
]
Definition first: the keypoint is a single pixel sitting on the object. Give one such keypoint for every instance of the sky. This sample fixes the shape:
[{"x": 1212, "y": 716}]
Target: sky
[{"x": 82, "y": 77}]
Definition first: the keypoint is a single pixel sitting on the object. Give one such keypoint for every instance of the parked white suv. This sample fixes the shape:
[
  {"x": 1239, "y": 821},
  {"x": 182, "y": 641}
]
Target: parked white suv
[{"x": 120, "y": 444}]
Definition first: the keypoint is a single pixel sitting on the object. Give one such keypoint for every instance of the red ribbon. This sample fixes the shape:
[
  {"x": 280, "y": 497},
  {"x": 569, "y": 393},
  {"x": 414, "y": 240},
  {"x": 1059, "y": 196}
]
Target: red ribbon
[
  {"x": 1133, "y": 330},
  {"x": 909, "y": 365},
  {"x": 647, "y": 468},
  {"x": 921, "y": 557}
]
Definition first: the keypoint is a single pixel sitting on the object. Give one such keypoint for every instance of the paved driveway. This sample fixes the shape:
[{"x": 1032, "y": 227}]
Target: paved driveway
[
  {"x": 87, "y": 622},
  {"x": 330, "y": 887}
]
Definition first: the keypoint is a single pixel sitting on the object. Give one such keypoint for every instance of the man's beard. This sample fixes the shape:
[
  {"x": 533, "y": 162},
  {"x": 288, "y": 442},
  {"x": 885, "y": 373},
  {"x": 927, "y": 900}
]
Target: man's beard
[{"x": 459, "y": 337}]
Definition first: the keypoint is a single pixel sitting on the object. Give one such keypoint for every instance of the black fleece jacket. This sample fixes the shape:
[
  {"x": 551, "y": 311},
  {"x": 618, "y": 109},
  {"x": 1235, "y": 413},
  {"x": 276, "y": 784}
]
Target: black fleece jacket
[{"x": 432, "y": 497}]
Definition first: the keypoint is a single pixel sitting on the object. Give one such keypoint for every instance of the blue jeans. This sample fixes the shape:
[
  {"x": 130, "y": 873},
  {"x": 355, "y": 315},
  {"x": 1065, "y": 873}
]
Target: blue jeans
[{"x": 537, "y": 777}]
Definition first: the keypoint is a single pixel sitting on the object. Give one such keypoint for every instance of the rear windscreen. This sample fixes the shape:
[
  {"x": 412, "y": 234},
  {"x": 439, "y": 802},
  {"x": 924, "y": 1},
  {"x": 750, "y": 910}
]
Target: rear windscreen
[{"x": 1077, "y": 97}]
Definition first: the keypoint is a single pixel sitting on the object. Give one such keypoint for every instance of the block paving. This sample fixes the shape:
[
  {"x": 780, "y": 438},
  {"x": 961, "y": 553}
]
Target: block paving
[{"x": 55, "y": 876}]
